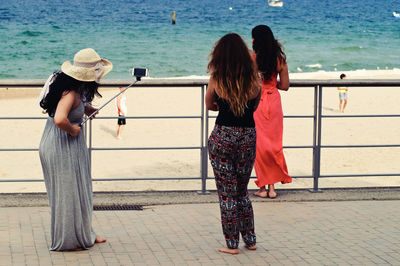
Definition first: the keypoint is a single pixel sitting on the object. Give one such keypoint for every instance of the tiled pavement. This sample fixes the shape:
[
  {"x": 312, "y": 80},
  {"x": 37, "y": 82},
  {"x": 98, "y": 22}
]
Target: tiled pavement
[{"x": 288, "y": 233}]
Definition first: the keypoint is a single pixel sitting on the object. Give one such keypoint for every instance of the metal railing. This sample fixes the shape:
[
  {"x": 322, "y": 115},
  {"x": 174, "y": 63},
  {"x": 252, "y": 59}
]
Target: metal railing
[{"x": 317, "y": 118}]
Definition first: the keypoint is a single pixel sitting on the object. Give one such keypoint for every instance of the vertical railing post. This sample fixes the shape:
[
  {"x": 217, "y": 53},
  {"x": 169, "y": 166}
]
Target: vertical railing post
[
  {"x": 84, "y": 129},
  {"x": 90, "y": 145},
  {"x": 206, "y": 152},
  {"x": 203, "y": 149},
  {"x": 315, "y": 126},
  {"x": 317, "y": 137}
]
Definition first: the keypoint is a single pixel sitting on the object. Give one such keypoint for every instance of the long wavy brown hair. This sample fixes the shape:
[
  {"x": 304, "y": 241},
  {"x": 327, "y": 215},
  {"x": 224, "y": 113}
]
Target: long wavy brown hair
[
  {"x": 233, "y": 70},
  {"x": 268, "y": 51}
]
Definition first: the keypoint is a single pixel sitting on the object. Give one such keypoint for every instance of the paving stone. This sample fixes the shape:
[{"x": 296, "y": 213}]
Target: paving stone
[{"x": 288, "y": 233}]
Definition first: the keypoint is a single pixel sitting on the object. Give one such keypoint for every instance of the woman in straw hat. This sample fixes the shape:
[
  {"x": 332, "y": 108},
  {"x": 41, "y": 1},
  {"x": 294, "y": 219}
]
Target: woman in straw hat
[{"x": 63, "y": 152}]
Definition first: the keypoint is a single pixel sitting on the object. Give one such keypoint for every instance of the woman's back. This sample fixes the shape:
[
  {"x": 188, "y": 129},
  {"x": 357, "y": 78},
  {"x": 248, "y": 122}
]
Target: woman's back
[
  {"x": 226, "y": 117},
  {"x": 270, "y": 83}
]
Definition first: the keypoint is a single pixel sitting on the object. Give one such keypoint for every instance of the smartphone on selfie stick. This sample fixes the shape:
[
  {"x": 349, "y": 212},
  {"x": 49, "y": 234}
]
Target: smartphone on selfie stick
[{"x": 136, "y": 72}]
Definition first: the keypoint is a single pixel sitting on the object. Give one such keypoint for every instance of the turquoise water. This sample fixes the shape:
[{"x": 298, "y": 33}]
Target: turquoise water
[{"x": 38, "y": 36}]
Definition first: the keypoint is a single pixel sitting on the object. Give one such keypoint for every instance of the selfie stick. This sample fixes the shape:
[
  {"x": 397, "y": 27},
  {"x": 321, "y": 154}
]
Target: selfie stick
[{"x": 115, "y": 96}]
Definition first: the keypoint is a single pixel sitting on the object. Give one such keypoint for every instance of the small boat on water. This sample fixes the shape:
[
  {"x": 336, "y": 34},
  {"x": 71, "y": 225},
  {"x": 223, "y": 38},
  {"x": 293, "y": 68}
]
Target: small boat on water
[
  {"x": 277, "y": 3},
  {"x": 396, "y": 15}
]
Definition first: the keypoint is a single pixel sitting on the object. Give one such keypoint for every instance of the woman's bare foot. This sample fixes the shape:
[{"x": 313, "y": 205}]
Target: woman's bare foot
[
  {"x": 100, "y": 240},
  {"x": 229, "y": 250},
  {"x": 254, "y": 247},
  {"x": 262, "y": 193},
  {"x": 271, "y": 192}
]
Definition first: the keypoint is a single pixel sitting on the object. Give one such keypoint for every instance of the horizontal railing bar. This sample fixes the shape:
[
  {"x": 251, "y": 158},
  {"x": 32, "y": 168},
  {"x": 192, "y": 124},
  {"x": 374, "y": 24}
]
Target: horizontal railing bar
[
  {"x": 115, "y": 82},
  {"x": 298, "y": 147},
  {"x": 254, "y": 177},
  {"x": 139, "y": 117},
  {"x": 198, "y": 147},
  {"x": 146, "y": 148},
  {"x": 195, "y": 178},
  {"x": 347, "y": 82},
  {"x": 21, "y": 117},
  {"x": 177, "y": 82},
  {"x": 358, "y": 175},
  {"x": 157, "y": 82},
  {"x": 298, "y": 116},
  {"x": 20, "y": 180},
  {"x": 361, "y": 146},
  {"x": 109, "y": 179},
  {"x": 130, "y": 179},
  {"x": 147, "y": 117},
  {"x": 17, "y": 149},
  {"x": 147, "y": 178},
  {"x": 293, "y": 176},
  {"x": 107, "y": 117},
  {"x": 302, "y": 176},
  {"x": 285, "y": 116},
  {"x": 347, "y": 116},
  {"x": 293, "y": 83},
  {"x": 193, "y": 117}
]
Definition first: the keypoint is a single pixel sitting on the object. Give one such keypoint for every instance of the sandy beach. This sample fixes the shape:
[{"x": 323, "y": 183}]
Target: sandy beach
[{"x": 173, "y": 101}]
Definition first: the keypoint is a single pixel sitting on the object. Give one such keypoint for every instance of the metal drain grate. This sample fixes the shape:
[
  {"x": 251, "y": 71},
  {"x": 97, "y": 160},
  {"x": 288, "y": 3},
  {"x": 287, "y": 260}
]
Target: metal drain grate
[{"x": 119, "y": 208}]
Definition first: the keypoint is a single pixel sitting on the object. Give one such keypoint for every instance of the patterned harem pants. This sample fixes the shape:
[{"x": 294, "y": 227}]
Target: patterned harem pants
[{"x": 232, "y": 152}]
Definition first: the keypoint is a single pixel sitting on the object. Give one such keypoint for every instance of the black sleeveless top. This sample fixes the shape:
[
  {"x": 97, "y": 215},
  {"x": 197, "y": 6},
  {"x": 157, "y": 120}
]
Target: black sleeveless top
[{"x": 227, "y": 118}]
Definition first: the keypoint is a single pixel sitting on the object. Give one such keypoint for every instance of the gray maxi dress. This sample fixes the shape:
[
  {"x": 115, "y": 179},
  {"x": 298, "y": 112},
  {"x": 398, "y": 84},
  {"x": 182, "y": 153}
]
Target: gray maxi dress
[{"x": 66, "y": 171}]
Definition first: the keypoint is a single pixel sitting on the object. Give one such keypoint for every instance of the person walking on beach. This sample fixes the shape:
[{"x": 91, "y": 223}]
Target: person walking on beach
[
  {"x": 342, "y": 95},
  {"x": 233, "y": 91},
  {"x": 122, "y": 110},
  {"x": 64, "y": 156},
  {"x": 270, "y": 164}
]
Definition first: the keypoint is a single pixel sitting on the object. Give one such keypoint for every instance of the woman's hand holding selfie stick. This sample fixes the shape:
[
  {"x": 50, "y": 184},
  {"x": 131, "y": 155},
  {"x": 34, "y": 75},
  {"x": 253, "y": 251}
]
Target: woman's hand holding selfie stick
[
  {"x": 138, "y": 73},
  {"x": 115, "y": 96}
]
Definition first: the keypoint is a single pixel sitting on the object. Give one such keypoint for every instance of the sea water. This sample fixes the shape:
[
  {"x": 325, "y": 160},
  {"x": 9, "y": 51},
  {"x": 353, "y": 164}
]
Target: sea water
[{"x": 36, "y": 37}]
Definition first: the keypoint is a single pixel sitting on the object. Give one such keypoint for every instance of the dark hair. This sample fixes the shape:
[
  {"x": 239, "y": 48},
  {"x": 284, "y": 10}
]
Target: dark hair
[
  {"x": 268, "y": 51},
  {"x": 342, "y": 76},
  {"x": 64, "y": 83},
  {"x": 233, "y": 70}
]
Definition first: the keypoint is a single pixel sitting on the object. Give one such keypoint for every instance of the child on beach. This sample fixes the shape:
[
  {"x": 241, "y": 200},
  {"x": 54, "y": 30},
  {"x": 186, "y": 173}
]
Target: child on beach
[
  {"x": 342, "y": 95},
  {"x": 122, "y": 110},
  {"x": 233, "y": 91}
]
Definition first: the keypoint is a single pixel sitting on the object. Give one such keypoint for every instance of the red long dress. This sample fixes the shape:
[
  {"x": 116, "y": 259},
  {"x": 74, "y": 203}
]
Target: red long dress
[{"x": 270, "y": 164}]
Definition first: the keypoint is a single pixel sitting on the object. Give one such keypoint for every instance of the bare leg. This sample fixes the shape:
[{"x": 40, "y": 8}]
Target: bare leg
[
  {"x": 119, "y": 131},
  {"x": 262, "y": 192},
  {"x": 229, "y": 251},
  {"x": 340, "y": 105},
  {"x": 271, "y": 191},
  {"x": 344, "y": 105}
]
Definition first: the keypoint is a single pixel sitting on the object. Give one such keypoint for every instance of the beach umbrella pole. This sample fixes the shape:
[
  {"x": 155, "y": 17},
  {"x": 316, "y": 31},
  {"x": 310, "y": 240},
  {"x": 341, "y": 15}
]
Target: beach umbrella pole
[{"x": 101, "y": 107}]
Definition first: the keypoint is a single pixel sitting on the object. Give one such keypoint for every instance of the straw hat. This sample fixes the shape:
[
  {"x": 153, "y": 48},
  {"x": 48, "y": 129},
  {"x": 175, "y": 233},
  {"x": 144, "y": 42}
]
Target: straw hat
[{"x": 88, "y": 66}]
